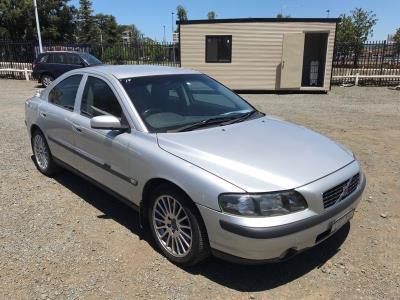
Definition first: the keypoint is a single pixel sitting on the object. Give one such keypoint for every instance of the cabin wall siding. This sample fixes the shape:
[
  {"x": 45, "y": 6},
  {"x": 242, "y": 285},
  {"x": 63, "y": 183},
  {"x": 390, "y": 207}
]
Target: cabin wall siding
[{"x": 256, "y": 51}]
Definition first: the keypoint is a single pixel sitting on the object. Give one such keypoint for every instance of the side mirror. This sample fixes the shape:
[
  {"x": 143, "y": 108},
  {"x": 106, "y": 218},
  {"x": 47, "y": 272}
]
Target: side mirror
[{"x": 107, "y": 122}]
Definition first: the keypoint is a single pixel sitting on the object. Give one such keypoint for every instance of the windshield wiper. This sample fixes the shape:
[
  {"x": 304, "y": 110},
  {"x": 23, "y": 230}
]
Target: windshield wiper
[
  {"x": 202, "y": 123},
  {"x": 241, "y": 118}
]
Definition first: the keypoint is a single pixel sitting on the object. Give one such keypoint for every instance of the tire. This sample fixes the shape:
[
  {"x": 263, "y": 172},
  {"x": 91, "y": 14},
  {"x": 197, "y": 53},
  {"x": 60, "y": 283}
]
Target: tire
[
  {"x": 42, "y": 156},
  {"x": 183, "y": 242},
  {"x": 46, "y": 79}
]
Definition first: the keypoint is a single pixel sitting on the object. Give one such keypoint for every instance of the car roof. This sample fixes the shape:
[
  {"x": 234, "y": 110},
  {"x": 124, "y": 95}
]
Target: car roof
[
  {"x": 128, "y": 71},
  {"x": 62, "y": 51}
]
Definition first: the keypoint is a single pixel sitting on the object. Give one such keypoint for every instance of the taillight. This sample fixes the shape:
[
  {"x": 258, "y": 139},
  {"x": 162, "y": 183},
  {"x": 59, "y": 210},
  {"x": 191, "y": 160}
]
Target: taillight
[{"x": 33, "y": 65}]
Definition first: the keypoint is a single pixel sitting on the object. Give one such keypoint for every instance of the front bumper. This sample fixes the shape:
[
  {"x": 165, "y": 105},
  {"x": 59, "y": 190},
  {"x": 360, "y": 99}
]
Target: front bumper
[{"x": 276, "y": 238}]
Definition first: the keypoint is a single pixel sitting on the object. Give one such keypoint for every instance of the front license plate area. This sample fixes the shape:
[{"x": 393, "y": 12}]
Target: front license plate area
[{"x": 339, "y": 222}]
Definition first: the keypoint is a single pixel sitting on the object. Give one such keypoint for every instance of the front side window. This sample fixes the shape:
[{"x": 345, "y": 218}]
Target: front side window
[
  {"x": 218, "y": 48},
  {"x": 73, "y": 59},
  {"x": 98, "y": 99},
  {"x": 171, "y": 102},
  {"x": 90, "y": 59},
  {"x": 64, "y": 93},
  {"x": 44, "y": 58}
]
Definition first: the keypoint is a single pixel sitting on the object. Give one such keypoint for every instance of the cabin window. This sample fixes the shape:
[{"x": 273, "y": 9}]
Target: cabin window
[{"x": 218, "y": 48}]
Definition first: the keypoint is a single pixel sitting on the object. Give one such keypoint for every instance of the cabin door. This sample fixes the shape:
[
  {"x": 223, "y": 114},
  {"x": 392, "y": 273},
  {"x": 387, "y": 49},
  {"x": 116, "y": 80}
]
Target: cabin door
[{"x": 292, "y": 60}]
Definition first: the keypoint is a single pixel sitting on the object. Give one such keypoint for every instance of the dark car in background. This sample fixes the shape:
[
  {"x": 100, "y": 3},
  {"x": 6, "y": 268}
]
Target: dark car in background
[{"x": 50, "y": 65}]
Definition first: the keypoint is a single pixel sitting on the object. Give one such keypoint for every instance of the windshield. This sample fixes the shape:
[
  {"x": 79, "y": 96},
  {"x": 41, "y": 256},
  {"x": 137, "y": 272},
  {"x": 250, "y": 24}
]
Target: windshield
[
  {"x": 90, "y": 59},
  {"x": 170, "y": 102}
]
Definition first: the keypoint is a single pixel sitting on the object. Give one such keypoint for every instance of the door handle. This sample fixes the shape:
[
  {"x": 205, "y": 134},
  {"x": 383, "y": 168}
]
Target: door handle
[{"x": 77, "y": 128}]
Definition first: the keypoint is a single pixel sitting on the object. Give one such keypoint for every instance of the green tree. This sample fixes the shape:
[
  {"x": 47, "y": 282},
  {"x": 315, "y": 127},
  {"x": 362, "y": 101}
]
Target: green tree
[
  {"x": 57, "y": 20},
  {"x": 87, "y": 30},
  {"x": 181, "y": 13},
  {"x": 354, "y": 30},
  {"x": 282, "y": 16},
  {"x": 396, "y": 40},
  {"x": 211, "y": 15},
  {"x": 108, "y": 28},
  {"x": 356, "y": 27}
]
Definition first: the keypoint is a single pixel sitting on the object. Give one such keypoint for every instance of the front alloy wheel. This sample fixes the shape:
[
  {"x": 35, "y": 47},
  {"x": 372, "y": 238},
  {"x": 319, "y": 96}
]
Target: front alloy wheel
[
  {"x": 177, "y": 227},
  {"x": 172, "y": 226}
]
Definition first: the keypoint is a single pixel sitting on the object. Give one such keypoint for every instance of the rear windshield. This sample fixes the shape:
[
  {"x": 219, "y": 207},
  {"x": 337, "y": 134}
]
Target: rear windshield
[{"x": 90, "y": 59}]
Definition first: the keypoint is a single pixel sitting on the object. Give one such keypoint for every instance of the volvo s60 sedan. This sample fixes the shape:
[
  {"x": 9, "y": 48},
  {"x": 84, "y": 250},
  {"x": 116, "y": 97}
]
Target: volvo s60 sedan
[{"x": 208, "y": 172}]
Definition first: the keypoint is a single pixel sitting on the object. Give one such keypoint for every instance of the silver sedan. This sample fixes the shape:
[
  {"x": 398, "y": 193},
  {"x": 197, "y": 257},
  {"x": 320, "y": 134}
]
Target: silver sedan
[{"x": 208, "y": 173}]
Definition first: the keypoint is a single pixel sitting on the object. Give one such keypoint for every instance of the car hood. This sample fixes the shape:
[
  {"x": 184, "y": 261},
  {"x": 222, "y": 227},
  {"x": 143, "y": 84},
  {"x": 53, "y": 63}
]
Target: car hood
[{"x": 259, "y": 155}]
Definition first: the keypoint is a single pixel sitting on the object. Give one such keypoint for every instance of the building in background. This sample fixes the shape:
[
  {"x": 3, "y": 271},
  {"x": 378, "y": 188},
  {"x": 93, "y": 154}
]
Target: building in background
[
  {"x": 127, "y": 36},
  {"x": 261, "y": 54},
  {"x": 175, "y": 37}
]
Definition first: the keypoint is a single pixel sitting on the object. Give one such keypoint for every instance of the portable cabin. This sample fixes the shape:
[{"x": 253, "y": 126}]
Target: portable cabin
[{"x": 262, "y": 54}]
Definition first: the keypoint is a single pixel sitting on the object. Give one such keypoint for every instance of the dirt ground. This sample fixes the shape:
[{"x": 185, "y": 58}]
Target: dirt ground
[{"x": 64, "y": 238}]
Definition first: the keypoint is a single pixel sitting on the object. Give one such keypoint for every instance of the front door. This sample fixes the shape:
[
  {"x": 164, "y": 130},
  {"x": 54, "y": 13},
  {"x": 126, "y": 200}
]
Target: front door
[
  {"x": 103, "y": 154},
  {"x": 292, "y": 60}
]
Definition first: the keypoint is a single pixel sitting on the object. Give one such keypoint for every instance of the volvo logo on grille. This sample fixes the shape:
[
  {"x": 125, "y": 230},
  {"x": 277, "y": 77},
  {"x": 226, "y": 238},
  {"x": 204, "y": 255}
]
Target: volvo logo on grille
[{"x": 344, "y": 191}]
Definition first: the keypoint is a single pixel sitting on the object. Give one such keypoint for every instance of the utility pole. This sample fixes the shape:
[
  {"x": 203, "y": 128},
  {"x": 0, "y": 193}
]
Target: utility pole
[
  {"x": 101, "y": 43},
  {"x": 172, "y": 22},
  {"x": 164, "y": 34},
  {"x": 38, "y": 27},
  {"x": 173, "y": 44}
]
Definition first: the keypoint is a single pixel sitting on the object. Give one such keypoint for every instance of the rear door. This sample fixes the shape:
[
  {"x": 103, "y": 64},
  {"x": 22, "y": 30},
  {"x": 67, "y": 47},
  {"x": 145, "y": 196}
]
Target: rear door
[
  {"x": 292, "y": 60},
  {"x": 56, "y": 118},
  {"x": 61, "y": 63}
]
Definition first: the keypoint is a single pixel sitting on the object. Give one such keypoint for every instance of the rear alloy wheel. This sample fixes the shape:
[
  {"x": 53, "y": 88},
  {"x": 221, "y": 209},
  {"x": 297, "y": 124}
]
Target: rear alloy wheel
[
  {"x": 42, "y": 155},
  {"x": 176, "y": 227},
  {"x": 46, "y": 80}
]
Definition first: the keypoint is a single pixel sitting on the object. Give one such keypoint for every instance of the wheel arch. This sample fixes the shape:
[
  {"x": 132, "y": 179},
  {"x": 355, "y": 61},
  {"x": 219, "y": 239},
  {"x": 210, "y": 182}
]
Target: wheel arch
[
  {"x": 35, "y": 127},
  {"x": 45, "y": 73},
  {"x": 152, "y": 184}
]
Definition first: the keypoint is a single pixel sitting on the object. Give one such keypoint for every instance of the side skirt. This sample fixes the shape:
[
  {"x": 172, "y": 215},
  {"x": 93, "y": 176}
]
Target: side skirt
[{"x": 98, "y": 184}]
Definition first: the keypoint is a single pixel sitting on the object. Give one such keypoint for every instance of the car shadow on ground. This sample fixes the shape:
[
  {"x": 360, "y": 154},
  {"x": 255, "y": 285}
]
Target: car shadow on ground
[
  {"x": 245, "y": 278},
  {"x": 254, "y": 278}
]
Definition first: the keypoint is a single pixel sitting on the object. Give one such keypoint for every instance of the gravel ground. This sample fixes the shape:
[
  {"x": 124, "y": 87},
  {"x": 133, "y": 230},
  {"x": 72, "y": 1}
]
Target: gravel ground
[{"x": 64, "y": 238}]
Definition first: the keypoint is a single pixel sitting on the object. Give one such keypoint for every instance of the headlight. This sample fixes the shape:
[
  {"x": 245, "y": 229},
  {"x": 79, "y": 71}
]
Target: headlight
[{"x": 265, "y": 205}]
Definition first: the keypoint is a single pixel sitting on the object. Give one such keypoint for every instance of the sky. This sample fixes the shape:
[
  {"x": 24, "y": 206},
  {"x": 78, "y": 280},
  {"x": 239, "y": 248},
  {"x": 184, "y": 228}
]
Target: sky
[{"x": 152, "y": 15}]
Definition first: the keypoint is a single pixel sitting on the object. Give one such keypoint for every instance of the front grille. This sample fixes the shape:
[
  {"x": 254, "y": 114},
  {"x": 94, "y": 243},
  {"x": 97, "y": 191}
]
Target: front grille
[{"x": 341, "y": 191}]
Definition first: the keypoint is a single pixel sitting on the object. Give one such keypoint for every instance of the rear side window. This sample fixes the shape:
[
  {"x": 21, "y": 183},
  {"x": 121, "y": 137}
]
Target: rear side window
[
  {"x": 58, "y": 58},
  {"x": 98, "y": 99},
  {"x": 64, "y": 93}
]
